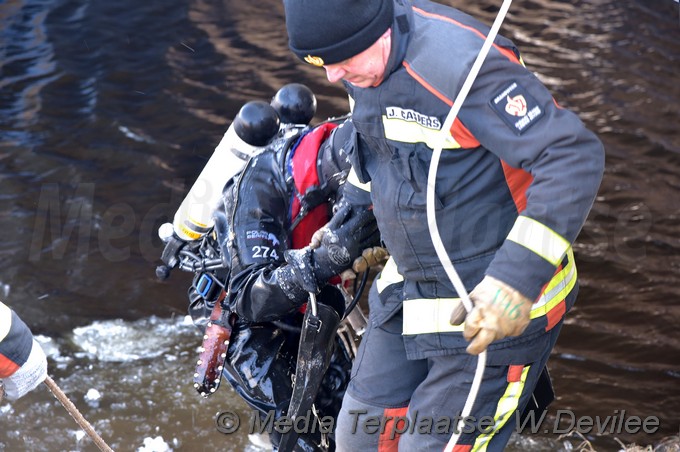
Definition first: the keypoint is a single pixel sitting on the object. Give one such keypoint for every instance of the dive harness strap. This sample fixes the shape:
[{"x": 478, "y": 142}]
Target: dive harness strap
[{"x": 314, "y": 355}]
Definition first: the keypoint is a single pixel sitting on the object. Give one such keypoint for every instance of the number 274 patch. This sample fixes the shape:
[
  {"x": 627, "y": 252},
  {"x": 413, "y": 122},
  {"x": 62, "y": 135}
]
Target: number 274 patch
[{"x": 264, "y": 252}]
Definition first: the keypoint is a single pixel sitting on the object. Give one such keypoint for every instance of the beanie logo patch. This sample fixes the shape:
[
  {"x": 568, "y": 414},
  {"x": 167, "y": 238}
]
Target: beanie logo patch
[{"x": 314, "y": 60}]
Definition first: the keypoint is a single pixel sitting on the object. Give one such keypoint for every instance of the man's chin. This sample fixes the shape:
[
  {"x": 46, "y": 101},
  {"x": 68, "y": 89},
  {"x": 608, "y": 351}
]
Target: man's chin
[
  {"x": 360, "y": 83},
  {"x": 367, "y": 83}
]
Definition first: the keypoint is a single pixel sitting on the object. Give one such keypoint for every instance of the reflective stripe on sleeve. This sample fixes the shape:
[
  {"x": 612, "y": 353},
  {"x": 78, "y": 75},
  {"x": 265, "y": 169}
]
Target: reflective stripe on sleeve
[
  {"x": 429, "y": 315},
  {"x": 12, "y": 349},
  {"x": 539, "y": 238},
  {"x": 557, "y": 289},
  {"x": 5, "y": 320}
]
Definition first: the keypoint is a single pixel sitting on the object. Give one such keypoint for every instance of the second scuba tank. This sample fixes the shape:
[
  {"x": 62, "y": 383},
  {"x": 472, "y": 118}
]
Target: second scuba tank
[
  {"x": 254, "y": 126},
  {"x": 295, "y": 103}
]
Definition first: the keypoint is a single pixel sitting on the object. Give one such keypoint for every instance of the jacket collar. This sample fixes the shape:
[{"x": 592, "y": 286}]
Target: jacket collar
[{"x": 402, "y": 28}]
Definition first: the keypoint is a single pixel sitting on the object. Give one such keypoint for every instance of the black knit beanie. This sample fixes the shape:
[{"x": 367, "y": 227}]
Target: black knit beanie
[{"x": 330, "y": 31}]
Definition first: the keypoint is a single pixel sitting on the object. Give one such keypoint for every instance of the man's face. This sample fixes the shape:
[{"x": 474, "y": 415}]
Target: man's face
[{"x": 366, "y": 69}]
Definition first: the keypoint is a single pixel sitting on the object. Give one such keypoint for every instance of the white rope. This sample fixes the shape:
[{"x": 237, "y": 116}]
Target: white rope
[{"x": 432, "y": 220}]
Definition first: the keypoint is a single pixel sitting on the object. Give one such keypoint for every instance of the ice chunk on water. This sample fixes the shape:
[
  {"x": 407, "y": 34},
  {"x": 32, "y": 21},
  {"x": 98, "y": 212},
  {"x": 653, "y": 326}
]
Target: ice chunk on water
[
  {"x": 121, "y": 341},
  {"x": 50, "y": 347},
  {"x": 92, "y": 397},
  {"x": 156, "y": 444}
]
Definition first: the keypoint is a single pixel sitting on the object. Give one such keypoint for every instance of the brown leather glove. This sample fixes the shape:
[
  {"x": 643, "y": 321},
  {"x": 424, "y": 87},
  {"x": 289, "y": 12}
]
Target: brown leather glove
[
  {"x": 317, "y": 237},
  {"x": 370, "y": 257},
  {"x": 499, "y": 311}
]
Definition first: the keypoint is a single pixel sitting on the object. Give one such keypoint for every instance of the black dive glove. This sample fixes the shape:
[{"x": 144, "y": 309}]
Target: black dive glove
[{"x": 349, "y": 232}]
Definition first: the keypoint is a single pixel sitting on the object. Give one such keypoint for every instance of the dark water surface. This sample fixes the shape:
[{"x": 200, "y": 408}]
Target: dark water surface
[{"x": 109, "y": 110}]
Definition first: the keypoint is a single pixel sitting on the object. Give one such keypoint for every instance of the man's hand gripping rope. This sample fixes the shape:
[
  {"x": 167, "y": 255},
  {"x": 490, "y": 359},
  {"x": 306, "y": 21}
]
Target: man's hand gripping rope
[{"x": 499, "y": 311}]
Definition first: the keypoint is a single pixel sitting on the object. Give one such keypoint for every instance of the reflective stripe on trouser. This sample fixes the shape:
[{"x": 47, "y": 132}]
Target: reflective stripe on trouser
[
  {"x": 383, "y": 379},
  {"x": 378, "y": 389},
  {"x": 503, "y": 394},
  {"x": 356, "y": 431},
  {"x": 431, "y": 315}
]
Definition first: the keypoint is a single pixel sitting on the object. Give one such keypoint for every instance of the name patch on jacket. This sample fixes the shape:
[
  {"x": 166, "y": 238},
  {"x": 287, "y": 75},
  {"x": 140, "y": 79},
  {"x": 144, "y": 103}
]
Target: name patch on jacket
[
  {"x": 516, "y": 107},
  {"x": 406, "y": 114}
]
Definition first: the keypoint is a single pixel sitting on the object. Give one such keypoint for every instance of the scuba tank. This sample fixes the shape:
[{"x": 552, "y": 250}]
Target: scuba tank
[
  {"x": 295, "y": 104},
  {"x": 251, "y": 130}
]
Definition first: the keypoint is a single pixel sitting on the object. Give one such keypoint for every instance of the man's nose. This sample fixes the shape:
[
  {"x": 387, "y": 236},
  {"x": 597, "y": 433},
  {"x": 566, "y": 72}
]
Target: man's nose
[{"x": 334, "y": 73}]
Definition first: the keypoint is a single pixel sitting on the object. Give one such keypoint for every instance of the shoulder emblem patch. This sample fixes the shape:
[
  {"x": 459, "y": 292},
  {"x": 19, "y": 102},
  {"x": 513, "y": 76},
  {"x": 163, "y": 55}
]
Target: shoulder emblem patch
[{"x": 516, "y": 107}]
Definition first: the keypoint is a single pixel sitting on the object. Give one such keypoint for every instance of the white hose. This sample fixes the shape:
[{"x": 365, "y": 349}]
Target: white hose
[{"x": 432, "y": 220}]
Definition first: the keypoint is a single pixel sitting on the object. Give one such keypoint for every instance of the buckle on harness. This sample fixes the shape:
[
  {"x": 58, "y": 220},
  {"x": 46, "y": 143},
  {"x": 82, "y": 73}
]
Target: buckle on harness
[{"x": 207, "y": 286}]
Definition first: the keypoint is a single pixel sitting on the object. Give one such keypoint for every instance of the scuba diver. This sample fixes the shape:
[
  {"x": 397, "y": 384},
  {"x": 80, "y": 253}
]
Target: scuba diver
[{"x": 284, "y": 180}]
